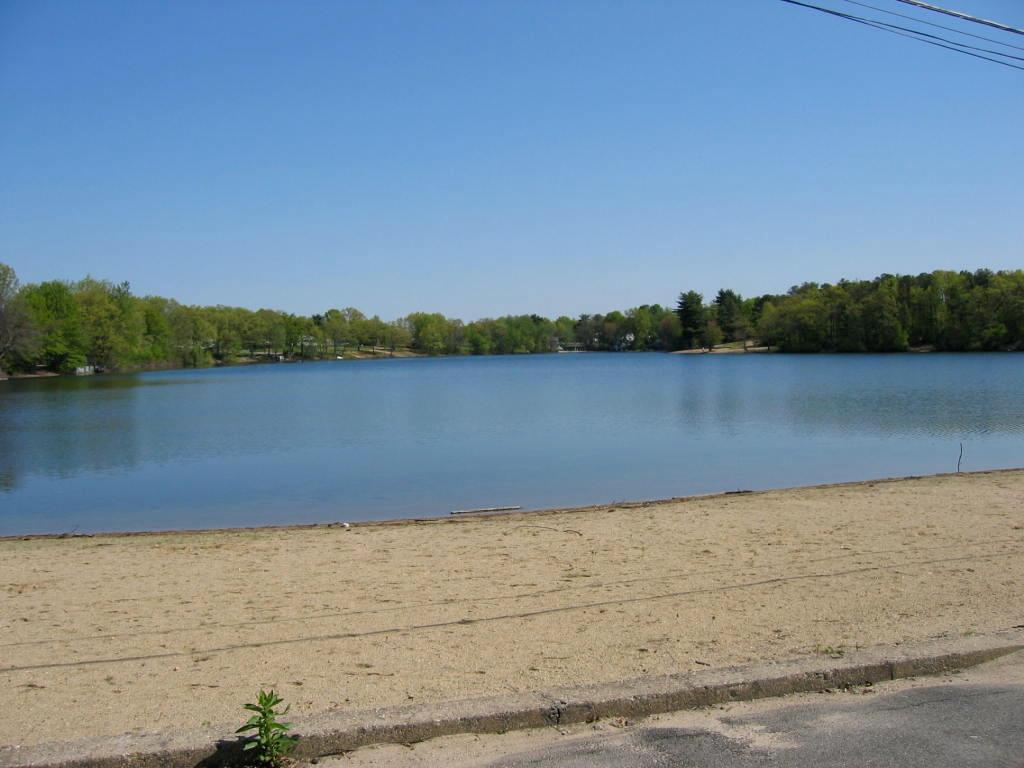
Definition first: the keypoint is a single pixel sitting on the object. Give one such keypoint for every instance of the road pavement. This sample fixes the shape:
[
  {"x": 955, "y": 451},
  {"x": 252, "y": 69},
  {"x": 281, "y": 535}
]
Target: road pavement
[{"x": 973, "y": 719}]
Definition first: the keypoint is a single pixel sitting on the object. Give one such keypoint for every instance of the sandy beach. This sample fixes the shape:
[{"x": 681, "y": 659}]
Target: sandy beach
[{"x": 107, "y": 634}]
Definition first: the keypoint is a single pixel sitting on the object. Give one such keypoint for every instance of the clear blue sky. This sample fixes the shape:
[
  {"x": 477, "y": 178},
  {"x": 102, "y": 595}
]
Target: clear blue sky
[{"x": 481, "y": 158}]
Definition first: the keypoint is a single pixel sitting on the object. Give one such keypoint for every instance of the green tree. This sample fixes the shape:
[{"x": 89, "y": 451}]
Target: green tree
[
  {"x": 614, "y": 330},
  {"x": 729, "y": 311},
  {"x": 429, "y": 332},
  {"x": 111, "y": 322},
  {"x": 565, "y": 330},
  {"x": 157, "y": 333},
  {"x": 17, "y": 333},
  {"x": 398, "y": 335},
  {"x": 690, "y": 311},
  {"x": 711, "y": 334},
  {"x": 883, "y": 331},
  {"x": 588, "y": 331},
  {"x": 478, "y": 338},
  {"x": 60, "y": 344},
  {"x": 669, "y": 331},
  {"x": 797, "y": 322}
]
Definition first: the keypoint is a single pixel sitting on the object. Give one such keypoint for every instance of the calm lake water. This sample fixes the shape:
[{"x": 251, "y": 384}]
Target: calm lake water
[{"x": 360, "y": 440}]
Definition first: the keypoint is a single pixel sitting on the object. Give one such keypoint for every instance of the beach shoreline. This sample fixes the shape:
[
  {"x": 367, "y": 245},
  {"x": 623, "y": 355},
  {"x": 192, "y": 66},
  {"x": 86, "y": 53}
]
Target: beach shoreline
[
  {"x": 115, "y": 633},
  {"x": 470, "y": 516}
]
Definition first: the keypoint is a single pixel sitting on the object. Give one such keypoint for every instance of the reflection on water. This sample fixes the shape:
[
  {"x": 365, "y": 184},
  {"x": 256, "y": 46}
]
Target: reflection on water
[
  {"x": 65, "y": 428},
  {"x": 359, "y": 440}
]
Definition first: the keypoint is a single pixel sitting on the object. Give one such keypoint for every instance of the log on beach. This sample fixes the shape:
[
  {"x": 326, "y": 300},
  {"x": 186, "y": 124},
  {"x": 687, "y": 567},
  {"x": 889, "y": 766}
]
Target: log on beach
[{"x": 483, "y": 509}]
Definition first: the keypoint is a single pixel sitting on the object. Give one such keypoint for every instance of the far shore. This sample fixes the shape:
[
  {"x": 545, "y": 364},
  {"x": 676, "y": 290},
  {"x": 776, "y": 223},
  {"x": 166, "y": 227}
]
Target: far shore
[
  {"x": 166, "y": 631},
  {"x": 734, "y": 349},
  {"x": 724, "y": 349},
  {"x": 364, "y": 354}
]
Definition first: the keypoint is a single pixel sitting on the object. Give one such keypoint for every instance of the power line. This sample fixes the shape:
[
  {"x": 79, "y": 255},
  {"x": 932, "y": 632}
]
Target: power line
[
  {"x": 964, "y": 16},
  {"x": 921, "y": 37},
  {"x": 945, "y": 40},
  {"x": 915, "y": 34},
  {"x": 939, "y": 26}
]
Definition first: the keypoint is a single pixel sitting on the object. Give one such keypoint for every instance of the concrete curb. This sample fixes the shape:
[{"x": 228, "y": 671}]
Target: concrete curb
[{"x": 336, "y": 732}]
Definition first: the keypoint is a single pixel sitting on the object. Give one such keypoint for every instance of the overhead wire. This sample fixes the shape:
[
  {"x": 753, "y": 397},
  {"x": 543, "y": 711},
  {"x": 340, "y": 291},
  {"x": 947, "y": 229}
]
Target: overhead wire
[
  {"x": 933, "y": 24},
  {"x": 946, "y": 40},
  {"x": 913, "y": 34},
  {"x": 964, "y": 16}
]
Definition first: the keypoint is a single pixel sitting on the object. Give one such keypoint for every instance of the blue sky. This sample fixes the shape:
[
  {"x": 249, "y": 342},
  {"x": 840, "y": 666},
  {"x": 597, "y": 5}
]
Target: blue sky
[{"x": 482, "y": 158}]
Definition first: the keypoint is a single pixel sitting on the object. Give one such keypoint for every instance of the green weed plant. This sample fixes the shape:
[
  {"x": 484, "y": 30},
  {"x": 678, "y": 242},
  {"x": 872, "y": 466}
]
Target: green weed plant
[{"x": 271, "y": 742}]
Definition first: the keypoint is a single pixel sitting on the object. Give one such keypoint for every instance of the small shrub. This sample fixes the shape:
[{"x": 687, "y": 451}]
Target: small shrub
[{"x": 271, "y": 741}]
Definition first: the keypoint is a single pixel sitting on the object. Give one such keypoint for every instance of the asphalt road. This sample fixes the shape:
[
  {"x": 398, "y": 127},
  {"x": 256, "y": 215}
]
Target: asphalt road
[{"x": 974, "y": 719}]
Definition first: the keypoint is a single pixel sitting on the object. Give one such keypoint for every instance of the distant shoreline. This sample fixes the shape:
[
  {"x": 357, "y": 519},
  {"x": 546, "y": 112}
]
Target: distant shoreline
[
  {"x": 732, "y": 349},
  {"x": 409, "y": 354},
  {"x": 398, "y": 354}
]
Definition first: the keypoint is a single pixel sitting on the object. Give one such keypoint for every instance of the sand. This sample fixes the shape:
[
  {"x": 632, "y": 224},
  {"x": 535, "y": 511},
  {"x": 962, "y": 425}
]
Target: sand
[{"x": 108, "y": 634}]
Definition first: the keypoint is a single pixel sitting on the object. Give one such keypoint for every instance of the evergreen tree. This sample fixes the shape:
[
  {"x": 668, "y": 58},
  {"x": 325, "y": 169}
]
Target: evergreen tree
[
  {"x": 690, "y": 311},
  {"x": 729, "y": 308}
]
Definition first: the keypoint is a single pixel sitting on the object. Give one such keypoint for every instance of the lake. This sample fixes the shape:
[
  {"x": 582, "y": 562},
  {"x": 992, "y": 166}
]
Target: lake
[{"x": 366, "y": 440}]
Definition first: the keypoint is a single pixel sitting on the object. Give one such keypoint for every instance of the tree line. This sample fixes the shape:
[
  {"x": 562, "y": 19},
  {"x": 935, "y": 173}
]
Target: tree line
[
  {"x": 941, "y": 310},
  {"x": 60, "y": 326}
]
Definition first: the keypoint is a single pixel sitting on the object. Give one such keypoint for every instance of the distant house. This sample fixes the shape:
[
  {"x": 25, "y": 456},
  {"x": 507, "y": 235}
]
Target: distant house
[{"x": 85, "y": 370}]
